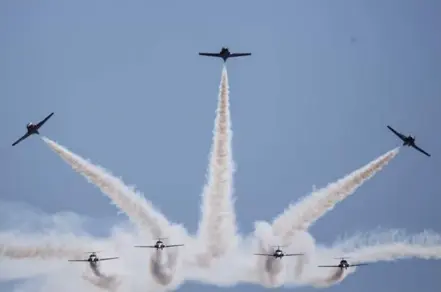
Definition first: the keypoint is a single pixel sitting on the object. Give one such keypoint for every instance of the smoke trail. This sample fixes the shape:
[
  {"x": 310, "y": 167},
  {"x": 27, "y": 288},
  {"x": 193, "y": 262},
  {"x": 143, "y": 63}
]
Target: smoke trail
[
  {"x": 302, "y": 215},
  {"x": 164, "y": 263},
  {"x": 42, "y": 252},
  {"x": 161, "y": 268},
  {"x": 217, "y": 227},
  {"x": 14, "y": 246},
  {"x": 393, "y": 245},
  {"x": 110, "y": 283},
  {"x": 137, "y": 208},
  {"x": 366, "y": 248}
]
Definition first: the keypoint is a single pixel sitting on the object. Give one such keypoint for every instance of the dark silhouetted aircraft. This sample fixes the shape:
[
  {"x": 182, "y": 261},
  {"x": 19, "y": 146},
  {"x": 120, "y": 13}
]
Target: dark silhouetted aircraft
[
  {"x": 93, "y": 259},
  {"x": 278, "y": 254},
  {"x": 225, "y": 54},
  {"x": 408, "y": 141},
  {"x": 343, "y": 265},
  {"x": 32, "y": 129},
  {"x": 159, "y": 245}
]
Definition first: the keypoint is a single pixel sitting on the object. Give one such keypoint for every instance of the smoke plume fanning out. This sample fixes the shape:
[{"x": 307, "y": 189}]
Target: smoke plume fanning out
[{"x": 217, "y": 254}]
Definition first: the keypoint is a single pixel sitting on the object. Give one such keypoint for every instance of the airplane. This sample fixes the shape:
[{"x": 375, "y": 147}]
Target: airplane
[
  {"x": 343, "y": 264},
  {"x": 159, "y": 245},
  {"x": 408, "y": 141},
  {"x": 93, "y": 259},
  {"x": 32, "y": 129},
  {"x": 278, "y": 254},
  {"x": 225, "y": 54}
]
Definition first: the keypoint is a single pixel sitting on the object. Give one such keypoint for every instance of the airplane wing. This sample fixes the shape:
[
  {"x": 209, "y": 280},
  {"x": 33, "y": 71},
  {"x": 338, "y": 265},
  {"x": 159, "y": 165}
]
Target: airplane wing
[
  {"x": 239, "y": 55},
  {"x": 328, "y": 266},
  {"x": 77, "y": 260},
  {"x": 44, "y": 121},
  {"x": 108, "y": 259},
  {"x": 264, "y": 254},
  {"x": 402, "y": 137},
  {"x": 293, "y": 254},
  {"x": 421, "y": 150},
  {"x": 146, "y": 246},
  {"x": 210, "y": 55},
  {"x": 21, "y": 139},
  {"x": 356, "y": 265},
  {"x": 174, "y": 245}
]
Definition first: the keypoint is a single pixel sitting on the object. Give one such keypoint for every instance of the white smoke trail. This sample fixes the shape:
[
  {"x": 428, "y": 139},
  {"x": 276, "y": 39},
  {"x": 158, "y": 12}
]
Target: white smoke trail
[
  {"x": 302, "y": 215},
  {"x": 392, "y": 245},
  {"x": 108, "y": 283},
  {"x": 217, "y": 228},
  {"x": 102, "y": 281},
  {"x": 14, "y": 247},
  {"x": 137, "y": 208},
  {"x": 41, "y": 252},
  {"x": 365, "y": 248}
]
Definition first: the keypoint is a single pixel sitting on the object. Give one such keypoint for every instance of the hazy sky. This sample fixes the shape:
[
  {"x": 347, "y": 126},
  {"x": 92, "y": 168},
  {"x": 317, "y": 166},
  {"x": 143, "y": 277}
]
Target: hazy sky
[{"x": 310, "y": 105}]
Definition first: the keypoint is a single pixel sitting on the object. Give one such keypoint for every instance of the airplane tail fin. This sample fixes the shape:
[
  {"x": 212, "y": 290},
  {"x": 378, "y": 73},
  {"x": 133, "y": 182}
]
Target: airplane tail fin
[{"x": 36, "y": 132}]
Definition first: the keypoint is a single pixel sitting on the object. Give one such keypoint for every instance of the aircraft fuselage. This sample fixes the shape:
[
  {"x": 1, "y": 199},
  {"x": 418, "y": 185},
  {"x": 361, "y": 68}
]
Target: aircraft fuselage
[
  {"x": 409, "y": 141},
  {"x": 344, "y": 264},
  {"x": 159, "y": 245},
  {"x": 32, "y": 129},
  {"x": 225, "y": 54},
  {"x": 93, "y": 261},
  {"x": 278, "y": 254}
]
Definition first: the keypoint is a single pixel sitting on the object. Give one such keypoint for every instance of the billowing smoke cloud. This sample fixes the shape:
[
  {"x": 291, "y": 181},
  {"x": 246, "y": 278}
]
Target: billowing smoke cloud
[
  {"x": 139, "y": 210},
  {"x": 302, "y": 215},
  {"x": 217, "y": 228},
  {"x": 240, "y": 266}
]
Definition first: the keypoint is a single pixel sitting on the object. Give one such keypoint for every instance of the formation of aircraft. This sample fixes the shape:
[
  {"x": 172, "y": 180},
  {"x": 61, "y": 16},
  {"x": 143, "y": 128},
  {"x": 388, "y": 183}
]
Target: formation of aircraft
[
  {"x": 225, "y": 54},
  {"x": 343, "y": 264},
  {"x": 94, "y": 259},
  {"x": 33, "y": 129},
  {"x": 159, "y": 245},
  {"x": 278, "y": 254},
  {"x": 408, "y": 140}
]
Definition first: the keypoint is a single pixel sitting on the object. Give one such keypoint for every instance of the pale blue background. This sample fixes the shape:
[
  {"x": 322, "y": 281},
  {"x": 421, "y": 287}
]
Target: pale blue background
[{"x": 130, "y": 92}]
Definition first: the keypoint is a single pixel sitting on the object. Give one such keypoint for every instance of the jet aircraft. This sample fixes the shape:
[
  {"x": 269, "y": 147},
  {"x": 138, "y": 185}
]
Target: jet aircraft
[
  {"x": 343, "y": 265},
  {"x": 408, "y": 141},
  {"x": 32, "y": 129},
  {"x": 159, "y": 245},
  {"x": 93, "y": 259},
  {"x": 278, "y": 254},
  {"x": 225, "y": 54}
]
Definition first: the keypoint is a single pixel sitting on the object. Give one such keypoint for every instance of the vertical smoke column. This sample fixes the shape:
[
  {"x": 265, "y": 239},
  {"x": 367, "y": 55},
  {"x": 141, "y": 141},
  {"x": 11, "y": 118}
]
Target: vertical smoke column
[{"x": 217, "y": 228}]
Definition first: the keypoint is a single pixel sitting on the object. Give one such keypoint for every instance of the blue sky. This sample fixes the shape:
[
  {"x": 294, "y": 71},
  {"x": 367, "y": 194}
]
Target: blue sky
[{"x": 130, "y": 92}]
